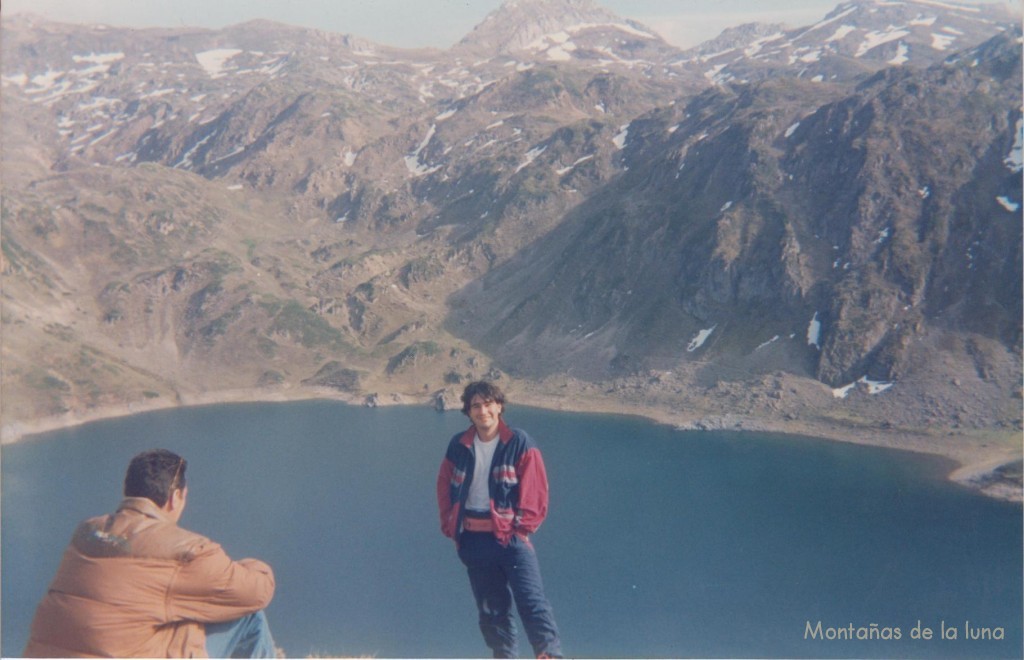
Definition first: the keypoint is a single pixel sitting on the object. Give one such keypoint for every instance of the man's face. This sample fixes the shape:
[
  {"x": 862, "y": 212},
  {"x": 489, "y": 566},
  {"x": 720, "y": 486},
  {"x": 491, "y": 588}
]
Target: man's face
[{"x": 485, "y": 415}]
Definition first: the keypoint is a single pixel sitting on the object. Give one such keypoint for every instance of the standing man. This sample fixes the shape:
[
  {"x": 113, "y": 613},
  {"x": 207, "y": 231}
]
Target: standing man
[
  {"x": 133, "y": 583},
  {"x": 492, "y": 492}
]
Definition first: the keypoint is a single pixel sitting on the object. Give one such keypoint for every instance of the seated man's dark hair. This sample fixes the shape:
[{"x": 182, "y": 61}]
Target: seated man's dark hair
[
  {"x": 155, "y": 474},
  {"x": 488, "y": 392}
]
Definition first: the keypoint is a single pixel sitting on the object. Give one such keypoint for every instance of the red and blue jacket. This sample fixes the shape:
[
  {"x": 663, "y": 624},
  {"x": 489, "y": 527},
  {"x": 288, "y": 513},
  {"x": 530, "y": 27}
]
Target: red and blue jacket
[{"x": 518, "y": 484}]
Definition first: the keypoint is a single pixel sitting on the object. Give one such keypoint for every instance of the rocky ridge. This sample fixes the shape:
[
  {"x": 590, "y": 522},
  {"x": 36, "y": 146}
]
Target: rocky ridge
[{"x": 803, "y": 229}]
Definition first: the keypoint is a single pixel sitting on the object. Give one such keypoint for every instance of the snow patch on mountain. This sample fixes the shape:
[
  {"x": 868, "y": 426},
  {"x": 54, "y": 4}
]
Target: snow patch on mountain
[
  {"x": 942, "y": 41},
  {"x": 565, "y": 170},
  {"x": 412, "y": 161},
  {"x": 814, "y": 332},
  {"x": 1008, "y": 203},
  {"x": 901, "y": 56},
  {"x": 620, "y": 139},
  {"x": 531, "y": 156},
  {"x": 877, "y": 38},
  {"x": 1015, "y": 159},
  {"x": 213, "y": 61},
  {"x": 700, "y": 338},
  {"x": 874, "y": 387}
]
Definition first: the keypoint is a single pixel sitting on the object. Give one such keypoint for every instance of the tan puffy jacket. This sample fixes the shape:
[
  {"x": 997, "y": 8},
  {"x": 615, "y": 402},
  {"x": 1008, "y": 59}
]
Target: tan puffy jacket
[{"x": 135, "y": 584}]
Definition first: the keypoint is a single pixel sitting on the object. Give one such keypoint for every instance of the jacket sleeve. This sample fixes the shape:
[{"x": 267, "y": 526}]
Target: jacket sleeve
[
  {"x": 533, "y": 492},
  {"x": 444, "y": 504},
  {"x": 212, "y": 588}
]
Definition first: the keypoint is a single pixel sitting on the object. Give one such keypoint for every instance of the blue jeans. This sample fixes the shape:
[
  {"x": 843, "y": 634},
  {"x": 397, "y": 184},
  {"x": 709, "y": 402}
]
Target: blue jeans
[
  {"x": 248, "y": 637},
  {"x": 498, "y": 574}
]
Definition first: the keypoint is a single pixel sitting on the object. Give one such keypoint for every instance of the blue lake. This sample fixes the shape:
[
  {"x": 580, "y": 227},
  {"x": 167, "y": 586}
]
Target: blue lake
[{"x": 658, "y": 544}]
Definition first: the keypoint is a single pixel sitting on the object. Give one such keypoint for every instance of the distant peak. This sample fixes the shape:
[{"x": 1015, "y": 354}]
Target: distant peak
[
  {"x": 512, "y": 4},
  {"x": 579, "y": 5},
  {"x": 517, "y": 23},
  {"x": 973, "y": 9}
]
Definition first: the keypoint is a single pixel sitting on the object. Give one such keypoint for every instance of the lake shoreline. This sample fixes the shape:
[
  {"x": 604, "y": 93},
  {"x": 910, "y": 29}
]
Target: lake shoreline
[{"x": 978, "y": 464}]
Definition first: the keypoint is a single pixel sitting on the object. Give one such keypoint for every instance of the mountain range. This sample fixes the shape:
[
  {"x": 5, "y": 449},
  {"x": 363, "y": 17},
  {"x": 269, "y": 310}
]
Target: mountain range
[{"x": 817, "y": 225}]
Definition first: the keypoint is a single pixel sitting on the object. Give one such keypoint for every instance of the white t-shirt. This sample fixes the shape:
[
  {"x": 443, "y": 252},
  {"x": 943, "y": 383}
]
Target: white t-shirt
[{"x": 479, "y": 498}]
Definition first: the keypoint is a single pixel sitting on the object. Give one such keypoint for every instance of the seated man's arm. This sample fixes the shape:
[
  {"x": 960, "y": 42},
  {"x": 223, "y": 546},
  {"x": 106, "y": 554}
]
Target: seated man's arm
[{"x": 211, "y": 587}]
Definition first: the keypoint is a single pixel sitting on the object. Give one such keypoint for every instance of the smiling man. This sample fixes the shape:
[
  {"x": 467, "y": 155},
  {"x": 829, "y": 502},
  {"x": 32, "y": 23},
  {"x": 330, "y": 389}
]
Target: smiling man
[{"x": 492, "y": 493}]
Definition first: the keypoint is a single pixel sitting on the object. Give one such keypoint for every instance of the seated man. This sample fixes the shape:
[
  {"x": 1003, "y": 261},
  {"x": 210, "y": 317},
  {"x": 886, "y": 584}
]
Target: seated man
[{"x": 133, "y": 583}]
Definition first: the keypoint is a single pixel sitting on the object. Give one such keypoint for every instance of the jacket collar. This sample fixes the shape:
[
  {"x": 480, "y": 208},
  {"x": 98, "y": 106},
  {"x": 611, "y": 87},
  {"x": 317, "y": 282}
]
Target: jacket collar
[
  {"x": 504, "y": 434},
  {"x": 145, "y": 506}
]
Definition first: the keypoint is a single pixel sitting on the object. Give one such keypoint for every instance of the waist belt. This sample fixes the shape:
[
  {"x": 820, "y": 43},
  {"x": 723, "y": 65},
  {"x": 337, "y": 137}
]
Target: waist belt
[{"x": 471, "y": 524}]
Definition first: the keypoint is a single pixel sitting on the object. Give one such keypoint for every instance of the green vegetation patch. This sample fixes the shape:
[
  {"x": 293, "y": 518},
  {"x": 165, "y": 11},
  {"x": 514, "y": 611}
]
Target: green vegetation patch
[
  {"x": 412, "y": 354},
  {"x": 41, "y": 380},
  {"x": 336, "y": 375},
  {"x": 270, "y": 378},
  {"x": 219, "y": 325},
  {"x": 423, "y": 269},
  {"x": 291, "y": 319}
]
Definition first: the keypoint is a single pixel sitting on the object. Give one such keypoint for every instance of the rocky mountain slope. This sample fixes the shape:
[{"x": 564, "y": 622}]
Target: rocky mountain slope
[
  {"x": 817, "y": 225},
  {"x": 853, "y": 39}
]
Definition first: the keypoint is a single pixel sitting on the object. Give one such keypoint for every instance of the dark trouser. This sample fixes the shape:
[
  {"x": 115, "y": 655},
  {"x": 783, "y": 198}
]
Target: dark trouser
[{"x": 498, "y": 574}]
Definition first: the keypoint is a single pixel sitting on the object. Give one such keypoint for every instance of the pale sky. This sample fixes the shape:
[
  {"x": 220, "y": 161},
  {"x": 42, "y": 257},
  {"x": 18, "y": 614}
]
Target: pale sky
[{"x": 417, "y": 23}]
